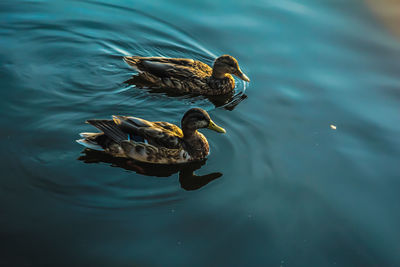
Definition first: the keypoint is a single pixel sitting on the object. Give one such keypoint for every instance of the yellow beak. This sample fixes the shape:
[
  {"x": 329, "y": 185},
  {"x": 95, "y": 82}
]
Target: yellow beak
[
  {"x": 242, "y": 76},
  {"x": 215, "y": 127}
]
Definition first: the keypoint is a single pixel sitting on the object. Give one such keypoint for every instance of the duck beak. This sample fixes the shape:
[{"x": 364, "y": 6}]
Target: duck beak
[
  {"x": 242, "y": 76},
  {"x": 215, "y": 127}
]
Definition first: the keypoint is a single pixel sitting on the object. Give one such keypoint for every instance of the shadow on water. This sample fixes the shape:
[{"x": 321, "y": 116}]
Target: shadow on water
[
  {"x": 187, "y": 178},
  {"x": 228, "y": 101}
]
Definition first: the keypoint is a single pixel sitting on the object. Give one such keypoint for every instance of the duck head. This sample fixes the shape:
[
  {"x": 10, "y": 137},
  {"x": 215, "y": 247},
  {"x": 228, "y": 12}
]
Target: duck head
[
  {"x": 228, "y": 64},
  {"x": 197, "y": 118}
]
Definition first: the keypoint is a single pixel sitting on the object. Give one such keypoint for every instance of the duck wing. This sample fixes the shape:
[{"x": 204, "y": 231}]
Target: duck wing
[
  {"x": 159, "y": 134},
  {"x": 180, "y": 68},
  {"x": 110, "y": 129},
  {"x": 170, "y": 127}
]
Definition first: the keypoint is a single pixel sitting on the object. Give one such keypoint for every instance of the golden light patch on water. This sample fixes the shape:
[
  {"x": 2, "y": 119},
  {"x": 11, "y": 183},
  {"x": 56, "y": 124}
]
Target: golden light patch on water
[{"x": 387, "y": 11}]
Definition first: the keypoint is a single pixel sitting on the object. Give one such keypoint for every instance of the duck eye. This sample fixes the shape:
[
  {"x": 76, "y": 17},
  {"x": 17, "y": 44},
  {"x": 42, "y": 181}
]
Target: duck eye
[{"x": 231, "y": 64}]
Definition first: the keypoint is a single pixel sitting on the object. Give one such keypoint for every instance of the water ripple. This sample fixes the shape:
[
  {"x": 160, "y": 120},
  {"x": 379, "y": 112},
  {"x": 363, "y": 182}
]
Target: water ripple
[{"x": 75, "y": 72}]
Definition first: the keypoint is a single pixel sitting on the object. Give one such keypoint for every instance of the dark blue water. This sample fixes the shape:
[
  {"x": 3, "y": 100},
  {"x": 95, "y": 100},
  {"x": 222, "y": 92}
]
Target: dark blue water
[{"x": 293, "y": 191}]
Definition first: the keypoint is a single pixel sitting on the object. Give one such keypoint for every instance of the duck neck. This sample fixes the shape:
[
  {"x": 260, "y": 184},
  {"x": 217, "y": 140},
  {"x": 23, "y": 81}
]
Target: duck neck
[
  {"x": 218, "y": 74},
  {"x": 195, "y": 143},
  {"x": 189, "y": 133}
]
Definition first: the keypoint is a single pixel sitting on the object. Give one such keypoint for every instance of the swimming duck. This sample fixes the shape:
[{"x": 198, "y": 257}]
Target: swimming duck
[
  {"x": 184, "y": 75},
  {"x": 152, "y": 142}
]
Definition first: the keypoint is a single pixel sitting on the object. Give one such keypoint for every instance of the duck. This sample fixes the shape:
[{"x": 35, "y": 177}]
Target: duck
[
  {"x": 152, "y": 142},
  {"x": 188, "y": 76}
]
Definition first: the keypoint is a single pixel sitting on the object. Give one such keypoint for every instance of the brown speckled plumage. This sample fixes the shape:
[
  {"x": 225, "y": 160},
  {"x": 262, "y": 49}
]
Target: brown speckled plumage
[
  {"x": 153, "y": 142},
  {"x": 183, "y": 75}
]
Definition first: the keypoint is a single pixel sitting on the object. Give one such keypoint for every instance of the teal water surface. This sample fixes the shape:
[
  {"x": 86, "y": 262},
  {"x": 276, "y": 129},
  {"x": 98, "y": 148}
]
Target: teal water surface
[{"x": 308, "y": 173}]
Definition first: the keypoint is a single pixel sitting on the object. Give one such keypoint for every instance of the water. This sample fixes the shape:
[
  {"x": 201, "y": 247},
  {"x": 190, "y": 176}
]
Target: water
[{"x": 281, "y": 188}]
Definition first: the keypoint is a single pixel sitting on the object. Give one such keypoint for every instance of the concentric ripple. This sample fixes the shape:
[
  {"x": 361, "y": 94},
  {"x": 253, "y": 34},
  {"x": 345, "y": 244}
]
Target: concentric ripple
[{"x": 72, "y": 70}]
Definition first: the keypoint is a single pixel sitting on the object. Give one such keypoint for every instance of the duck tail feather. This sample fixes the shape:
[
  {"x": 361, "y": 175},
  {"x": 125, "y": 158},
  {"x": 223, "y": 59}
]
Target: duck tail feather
[
  {"x": 133, "y": 62},
  {"x": 89, "y": 135},
  {"x": 110, "y": 129},
  {"x": 89, "y": 144}
]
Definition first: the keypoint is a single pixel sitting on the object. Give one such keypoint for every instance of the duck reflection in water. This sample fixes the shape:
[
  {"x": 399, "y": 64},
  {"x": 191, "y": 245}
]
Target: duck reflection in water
[{"x": 187, "y": 178}]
